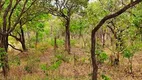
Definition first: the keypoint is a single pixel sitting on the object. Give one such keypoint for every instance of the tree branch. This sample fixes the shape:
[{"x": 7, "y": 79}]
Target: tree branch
[
  {"x": 115, "y": 15},
  {"x": 12, "y": 10},
  {"x": 1, "y": 4},
  {"x": 18, "y": 39},
  {"x": 22, "y": 12},
  {"x": 7, "y": 10},
  {"x": 15, "y": 48}
]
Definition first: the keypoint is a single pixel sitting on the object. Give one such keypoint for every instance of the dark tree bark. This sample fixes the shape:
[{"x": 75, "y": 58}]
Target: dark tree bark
[
  {"x": 15, "y": 48},
  {"x": 93, "y": 37},
  {"x": 7, "y": 28},
  {"x": 59, "y": 10},
  {"x": 4, "y": 57},
  {"x": 55, "y": 43},
  {"x": 4, "y": 42},
  {"x": 22, "y": 38},
  {"x": 67, "y": 37},
  {"x": 36, "y": 42},
  {"x": 93, "y": 56}
]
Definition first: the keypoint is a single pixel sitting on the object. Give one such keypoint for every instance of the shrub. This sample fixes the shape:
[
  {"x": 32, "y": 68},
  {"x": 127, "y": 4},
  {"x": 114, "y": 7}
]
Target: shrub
[
  {"x": 101, "y": 55},
  {"x": 55, "y": 65},
  {"x": 104, "y": 77}
]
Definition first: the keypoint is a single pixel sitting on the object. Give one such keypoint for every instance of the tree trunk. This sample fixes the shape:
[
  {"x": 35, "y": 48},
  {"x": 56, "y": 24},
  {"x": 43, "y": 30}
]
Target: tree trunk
[
  {"x": 36, "y": 39},
  {"x": 29, "y": 38},
  {"x": 80, "y": 32},
  {"x": 99, "y": 25},
  {"x": 55, "y": 43},
  {"x": 24, "y": 46},
  {"x": 67, "y": 37},
  {"x": 93, "y": 57},
  {"x": 22, "y": 38},
  {"x": 4, "y": 56},
  {"x": 103, "y": 38}
]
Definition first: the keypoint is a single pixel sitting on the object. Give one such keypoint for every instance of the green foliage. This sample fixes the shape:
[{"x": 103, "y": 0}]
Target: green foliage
[
  {"x": 16, "y": 61},
  {"x": 127, "y": 53},
  {"x": 55, "y": 65},
  {"x": 70, "y": 6},
  {"x": 104, "y": 77},
  {"x": 40, "y": 27},
  {"x": 127, "y": 27},
  {"x": 59, "y": 42},
  {"x": 137, "y": 21},
  {"x": 95, "y": 12},
  {"x": 78, "y": 25},
  {"x": 2, "y": 53},
  {"x": 131, "y": 50},
  {"x": 43, "y": 67},
  {"x": 59, "y": 56},
  {"x": 32, "y": 64},
  {"x": 102, "y": 56},
  {"x": 28, "y": 69}
]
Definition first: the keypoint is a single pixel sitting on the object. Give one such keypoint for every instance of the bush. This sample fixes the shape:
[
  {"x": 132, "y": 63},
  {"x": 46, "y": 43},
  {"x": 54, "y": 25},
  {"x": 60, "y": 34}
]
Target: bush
[
  {"x": 55, "y": 65},
  {"x": 102, "y": 56},
  {"x": 32, "y": 64},
  {"x": 43, "y": 67},
  {"x": 127, "y": 53},
  {"x": 104, "y": 77}
]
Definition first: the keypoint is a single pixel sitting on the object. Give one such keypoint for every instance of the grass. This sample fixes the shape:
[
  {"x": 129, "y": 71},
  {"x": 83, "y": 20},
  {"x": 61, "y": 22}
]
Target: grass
[{"x": 44, "y": 63}]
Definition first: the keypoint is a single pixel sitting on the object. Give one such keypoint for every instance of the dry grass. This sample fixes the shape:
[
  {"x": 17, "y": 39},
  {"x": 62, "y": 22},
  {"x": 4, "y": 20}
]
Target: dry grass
[{"x": 77, "y": 66}]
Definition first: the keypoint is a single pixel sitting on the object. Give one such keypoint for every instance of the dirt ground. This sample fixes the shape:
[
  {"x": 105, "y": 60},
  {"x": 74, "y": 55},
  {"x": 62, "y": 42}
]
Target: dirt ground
[{"x": 77, "y": 67}]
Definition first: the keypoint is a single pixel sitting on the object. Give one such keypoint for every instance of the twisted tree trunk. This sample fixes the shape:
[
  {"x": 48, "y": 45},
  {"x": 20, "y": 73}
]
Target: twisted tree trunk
[{"x": 93, "y": 37}]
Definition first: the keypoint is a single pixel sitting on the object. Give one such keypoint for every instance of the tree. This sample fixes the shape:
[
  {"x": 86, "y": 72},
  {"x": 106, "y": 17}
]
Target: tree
[
  {"x": 64, "y": 9},
  {"x": 29, "y": 16},
  {"x": 9, "y": 23},
  {"x": 98, "y": 26}
]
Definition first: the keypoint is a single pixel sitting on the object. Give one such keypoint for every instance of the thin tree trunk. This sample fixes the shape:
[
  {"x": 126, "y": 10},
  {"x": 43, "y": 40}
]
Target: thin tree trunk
[
  {"x": 67, "y": 37},
  {"x": 36, "y": 39},
  {"x": 29, "y": 38},
  {"x": 22, "y": 38},
  {"x": 80, "y": 32},
  {"x": 55, "y": 43},
  {"x": 93, "y": 57},
  {"x": 103, "y": 38}
]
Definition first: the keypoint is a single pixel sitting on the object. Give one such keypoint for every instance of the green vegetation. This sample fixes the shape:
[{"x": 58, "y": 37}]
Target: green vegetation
[{"x": 70, "y": 39}]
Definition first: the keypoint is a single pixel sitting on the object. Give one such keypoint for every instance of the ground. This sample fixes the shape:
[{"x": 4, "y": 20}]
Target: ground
[{"x": 34, "y": 65}]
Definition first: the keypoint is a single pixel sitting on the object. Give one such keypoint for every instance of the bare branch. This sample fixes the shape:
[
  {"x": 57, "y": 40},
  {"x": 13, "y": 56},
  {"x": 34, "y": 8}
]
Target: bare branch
[
  {"x": 18, "y": 39},
  {"x": 1, "y": 4},
  {"x": 15, "y": 48}
]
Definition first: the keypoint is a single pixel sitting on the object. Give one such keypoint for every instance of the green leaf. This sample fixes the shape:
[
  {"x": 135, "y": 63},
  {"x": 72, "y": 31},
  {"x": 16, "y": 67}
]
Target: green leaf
[
  {"x": 43, "y": 67},
  {"x": 55, "y": 65},
  {"x": 127, "y": 53},
  {"x": 104, "y": 77}
]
